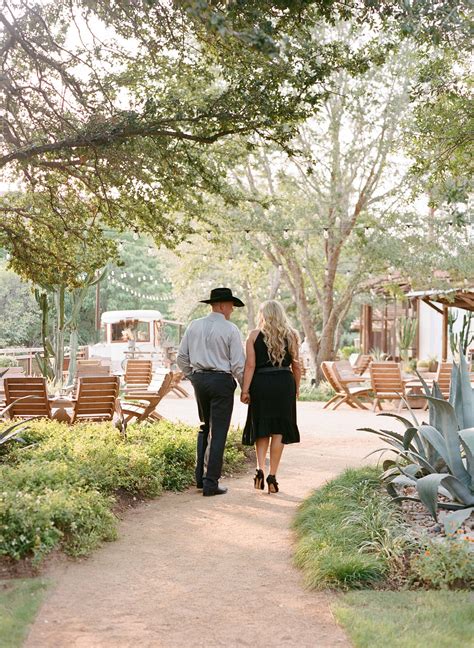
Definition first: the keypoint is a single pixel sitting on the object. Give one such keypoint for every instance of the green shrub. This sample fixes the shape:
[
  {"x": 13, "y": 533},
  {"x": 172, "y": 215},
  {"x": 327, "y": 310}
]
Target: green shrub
[
  {"x": 32, "y": 524},
  {"x": 445, "y": 564},
  {"x": 323, "y": 392},
  {"x": 347, "y": 351},
  {"x": 57, "y": 491},
  {"x": 330, "y": 548},
  {"x": 8, "y": 361}
]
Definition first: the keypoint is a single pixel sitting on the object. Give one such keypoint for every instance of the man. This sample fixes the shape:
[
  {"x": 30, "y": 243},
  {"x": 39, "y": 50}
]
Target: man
[{"x": 211, "y": 355}]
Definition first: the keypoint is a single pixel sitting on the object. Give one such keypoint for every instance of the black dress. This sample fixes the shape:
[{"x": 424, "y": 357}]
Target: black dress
[{"x": 272, "y": 408}]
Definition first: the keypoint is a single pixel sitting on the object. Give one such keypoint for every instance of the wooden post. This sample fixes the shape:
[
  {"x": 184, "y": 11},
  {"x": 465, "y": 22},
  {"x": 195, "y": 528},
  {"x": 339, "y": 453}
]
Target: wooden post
[
  {"x": 97, "y": 307},
  {"x": 417, "y": 334},
  {"x": 366, "y": 328},
  {"x": 444, "y": 350}
]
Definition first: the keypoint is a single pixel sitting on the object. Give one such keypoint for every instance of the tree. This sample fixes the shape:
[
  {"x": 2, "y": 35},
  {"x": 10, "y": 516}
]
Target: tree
[
  {"x": 56, "y": 257},
  {"x": 20, "y": 314},
  {"x": 325, "y": 202},
  {"x": 127, "y": 104}
]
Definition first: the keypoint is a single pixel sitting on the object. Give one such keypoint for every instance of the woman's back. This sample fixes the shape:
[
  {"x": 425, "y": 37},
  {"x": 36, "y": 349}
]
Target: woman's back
[{"x": 262, "y": 356}]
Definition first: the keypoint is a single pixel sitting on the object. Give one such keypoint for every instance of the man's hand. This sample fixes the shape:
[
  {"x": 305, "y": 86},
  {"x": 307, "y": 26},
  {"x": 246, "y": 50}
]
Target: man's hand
[{"x": 245, "y": 398}]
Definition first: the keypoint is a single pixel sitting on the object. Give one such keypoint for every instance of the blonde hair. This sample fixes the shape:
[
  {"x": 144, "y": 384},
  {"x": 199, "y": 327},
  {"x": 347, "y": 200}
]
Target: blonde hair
[{"x": 278, "y": 333}]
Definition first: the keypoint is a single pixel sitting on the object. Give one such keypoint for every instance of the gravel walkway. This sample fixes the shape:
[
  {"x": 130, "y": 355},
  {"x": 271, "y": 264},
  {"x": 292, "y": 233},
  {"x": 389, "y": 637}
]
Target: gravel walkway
[{"x": 192, "y": 572}]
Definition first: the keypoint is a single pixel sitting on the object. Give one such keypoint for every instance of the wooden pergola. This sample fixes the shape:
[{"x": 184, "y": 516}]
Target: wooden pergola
[
  {"x": 377, "y": 324},
  {"x": 454, "y": 298}
]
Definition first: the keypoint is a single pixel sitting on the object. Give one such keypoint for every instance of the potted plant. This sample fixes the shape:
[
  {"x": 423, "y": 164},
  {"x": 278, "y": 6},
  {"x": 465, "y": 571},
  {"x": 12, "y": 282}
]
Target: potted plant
[
  {"x": 433, "y": 363},
  {"x": 423, "y": 366}
]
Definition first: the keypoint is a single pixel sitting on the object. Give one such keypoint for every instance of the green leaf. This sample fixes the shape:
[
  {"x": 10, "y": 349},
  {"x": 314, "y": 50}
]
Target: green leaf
[
  {"x": 464, "y": 399},
  {"x": 448, "y": 426},
  {"x": 458, "y": 490},
  {"x": 467, "y": 440},
  {"x": 402, "y": 419},
  {"x": 432, "y": 436},
  {"x": 453, "y": 521},
  {"x": 427, "y": 488}
]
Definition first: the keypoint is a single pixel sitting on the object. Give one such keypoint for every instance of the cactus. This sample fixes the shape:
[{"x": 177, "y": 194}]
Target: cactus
[
  {"x": 460, "y": 342},
  {"x": 406, "y": 335}
]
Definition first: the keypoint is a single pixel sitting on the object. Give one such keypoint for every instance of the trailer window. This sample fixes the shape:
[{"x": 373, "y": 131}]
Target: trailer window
[{"x": 126, "y": 330}]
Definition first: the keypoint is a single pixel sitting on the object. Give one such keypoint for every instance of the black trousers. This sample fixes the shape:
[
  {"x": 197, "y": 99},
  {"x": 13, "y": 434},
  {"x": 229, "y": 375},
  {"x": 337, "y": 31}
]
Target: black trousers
[{"x": 215, "y": 399}]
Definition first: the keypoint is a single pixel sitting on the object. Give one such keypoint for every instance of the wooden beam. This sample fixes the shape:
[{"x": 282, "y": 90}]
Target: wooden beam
[
  {"x": 444, "y": 349},
  {"x": 427, "y": 301}
]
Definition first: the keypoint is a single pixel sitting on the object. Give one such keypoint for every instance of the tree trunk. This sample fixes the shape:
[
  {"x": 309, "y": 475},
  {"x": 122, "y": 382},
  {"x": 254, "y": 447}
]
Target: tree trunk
[
  {"x": 249, "y": 302},
  {"x": 304, "y": 312}
]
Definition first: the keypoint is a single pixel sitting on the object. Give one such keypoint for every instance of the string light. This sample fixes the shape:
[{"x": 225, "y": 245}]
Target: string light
[
  {"x": 325, "y": 233},
  {"x": 286, "y": 234}
]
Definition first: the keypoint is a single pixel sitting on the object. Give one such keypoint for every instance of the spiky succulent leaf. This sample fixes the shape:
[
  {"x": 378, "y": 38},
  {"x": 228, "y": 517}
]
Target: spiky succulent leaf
[
  {"x": 427, "y": 488},
  {"x": 448, "y": 427},
  {"x": 433, "y": 437},
  {"x": 402, "y": 419},
  {"x": 467, "y": 440},
  {"x": 464, "y": 399},
  {"x": 458, "y": 490},
  {"x": 453, "y": 521}
]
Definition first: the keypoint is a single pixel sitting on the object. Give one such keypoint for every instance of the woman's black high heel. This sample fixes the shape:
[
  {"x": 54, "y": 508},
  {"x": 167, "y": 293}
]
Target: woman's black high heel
[
  {"x": 258, "y": 479},
  {"x": 272, "y": 484}
]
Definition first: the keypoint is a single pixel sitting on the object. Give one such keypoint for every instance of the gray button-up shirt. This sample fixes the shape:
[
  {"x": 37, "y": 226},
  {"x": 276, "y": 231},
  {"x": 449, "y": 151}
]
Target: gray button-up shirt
[{"x": 212, "y": 343}]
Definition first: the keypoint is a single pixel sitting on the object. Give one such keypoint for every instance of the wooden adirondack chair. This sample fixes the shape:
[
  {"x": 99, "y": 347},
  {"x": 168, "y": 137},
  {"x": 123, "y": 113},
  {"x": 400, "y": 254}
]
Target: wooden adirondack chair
[
  {"x": 362, "y": 364},
  {"x": 138, "y": 372},
  {"x": 27, "y": 397},
  {"x": 140, "y": 405},
  {"x": 443, "y": 378},
  {"x": 345, "y": 393},
  {"x": 91, "y": 369},
  {"x": 387, "y": 383},
  {"x": 96, "y": 398},
  {"x": 8, "y": 372},
  {"x": 176, "y": 387}
]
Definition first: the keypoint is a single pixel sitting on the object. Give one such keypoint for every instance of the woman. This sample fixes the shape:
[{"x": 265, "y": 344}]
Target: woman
[{"x": 270, "y": 387}]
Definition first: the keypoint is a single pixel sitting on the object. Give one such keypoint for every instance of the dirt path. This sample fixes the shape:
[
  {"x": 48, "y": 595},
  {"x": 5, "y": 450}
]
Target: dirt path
[{"x": 191, "y": 572}]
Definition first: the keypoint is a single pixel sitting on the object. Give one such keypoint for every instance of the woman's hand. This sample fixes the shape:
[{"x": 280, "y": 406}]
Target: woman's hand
[{"x": 245, "y": 397}]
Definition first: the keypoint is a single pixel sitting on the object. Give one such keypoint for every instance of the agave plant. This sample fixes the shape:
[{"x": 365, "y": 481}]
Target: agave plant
[{"x": 436, "y": 457}]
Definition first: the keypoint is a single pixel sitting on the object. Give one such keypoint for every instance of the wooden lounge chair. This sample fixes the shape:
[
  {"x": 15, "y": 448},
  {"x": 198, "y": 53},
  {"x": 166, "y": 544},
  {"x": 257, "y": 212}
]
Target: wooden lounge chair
[
  {"x": 443, "y": 378},
  {"x": 91, "y": 369},
  {"x": 138, "y": 372},
  {"x": 176, "y": 387},
  {"x": 387, "y": 383},
  {"x": 96, "y": 398},
  {"x": 362, "y": 363},
  {"x": 8, "y": 372},
  {"x": 140, "y": 405},
  {"x": 345, "y": 393},
  {"x": 27, "y": 397}
]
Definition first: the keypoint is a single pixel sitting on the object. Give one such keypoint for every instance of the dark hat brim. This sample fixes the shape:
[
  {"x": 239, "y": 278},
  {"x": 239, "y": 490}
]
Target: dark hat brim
[{"x": 235, "y": 300}]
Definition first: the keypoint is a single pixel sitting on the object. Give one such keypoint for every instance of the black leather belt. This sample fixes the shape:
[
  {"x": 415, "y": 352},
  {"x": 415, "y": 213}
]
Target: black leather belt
[
  {"x": 271, "y": 369},
  {"x": 227, "y": 373}
]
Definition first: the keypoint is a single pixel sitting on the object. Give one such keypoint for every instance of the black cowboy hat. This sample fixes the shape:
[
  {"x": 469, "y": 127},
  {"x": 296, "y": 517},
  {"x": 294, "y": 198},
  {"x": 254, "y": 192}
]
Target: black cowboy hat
[{"x": 222, "y": 295}]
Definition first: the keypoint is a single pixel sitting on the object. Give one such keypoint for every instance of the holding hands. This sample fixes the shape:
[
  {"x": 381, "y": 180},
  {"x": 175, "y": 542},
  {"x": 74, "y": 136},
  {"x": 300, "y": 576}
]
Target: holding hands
[{"x": 245, "y": 397}]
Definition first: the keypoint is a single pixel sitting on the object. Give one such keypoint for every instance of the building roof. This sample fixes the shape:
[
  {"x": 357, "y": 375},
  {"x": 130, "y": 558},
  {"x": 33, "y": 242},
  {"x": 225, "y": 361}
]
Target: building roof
[
  {"x": 454, "y": 297},
  {"x": 111, "y": 317}
]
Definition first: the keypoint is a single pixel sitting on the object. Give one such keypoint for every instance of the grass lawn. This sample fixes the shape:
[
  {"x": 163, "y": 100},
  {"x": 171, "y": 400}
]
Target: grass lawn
[
  {"x": 441, "y": 619},
  {"x": 19, "y": 602}
]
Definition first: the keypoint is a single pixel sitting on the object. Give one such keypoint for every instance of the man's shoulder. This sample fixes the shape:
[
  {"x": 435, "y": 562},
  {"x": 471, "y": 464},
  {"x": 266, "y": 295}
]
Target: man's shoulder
[
  {"x": 233, "y": 328},
  {"x": 196, "y": 322}
]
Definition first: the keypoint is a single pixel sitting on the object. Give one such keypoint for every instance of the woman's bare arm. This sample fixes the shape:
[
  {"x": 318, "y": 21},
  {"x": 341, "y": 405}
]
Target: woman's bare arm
[
  {"x": 296, "y": 369},
  {"x": 249, "y": 368}
]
